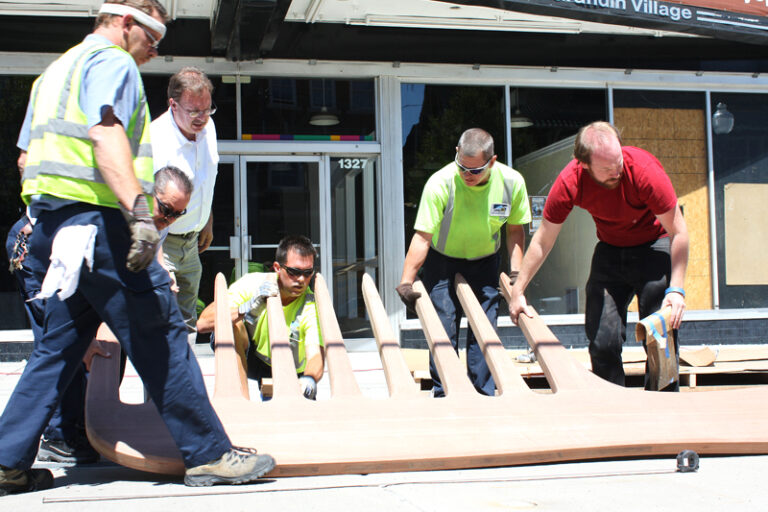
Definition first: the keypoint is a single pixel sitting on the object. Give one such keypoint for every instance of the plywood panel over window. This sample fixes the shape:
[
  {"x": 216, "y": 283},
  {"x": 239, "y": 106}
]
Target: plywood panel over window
[
  {"x": 677, "y": 137},
  {"x": 746, "y": 239}
]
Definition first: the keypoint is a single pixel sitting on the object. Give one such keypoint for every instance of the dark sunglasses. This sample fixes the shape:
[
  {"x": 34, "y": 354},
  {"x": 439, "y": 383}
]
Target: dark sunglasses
[
  {"x": 167, "y": 212},
  {"x": 476, "y": 170},
  {"x": 296, "y": 272}
]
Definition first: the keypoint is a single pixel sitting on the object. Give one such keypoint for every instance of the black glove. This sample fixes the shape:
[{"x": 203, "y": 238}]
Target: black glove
[
  {"x": 407, "y": 295},
  {"x": 513, "y": 276},
  {"x": 144, "y": 235}
]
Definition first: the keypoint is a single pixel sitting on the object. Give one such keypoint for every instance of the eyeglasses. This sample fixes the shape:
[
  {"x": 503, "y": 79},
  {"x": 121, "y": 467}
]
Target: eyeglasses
[
  {"x": 476, "y": 170},
  {"x": 296, "y": 272},
  {"x": 197, "y": 113},
  {"x": 167, "y": 212},
  {"x": 155, "y": 42}
]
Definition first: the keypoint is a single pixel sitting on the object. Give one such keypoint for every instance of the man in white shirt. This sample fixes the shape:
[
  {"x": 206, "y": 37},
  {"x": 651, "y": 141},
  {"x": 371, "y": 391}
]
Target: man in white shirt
[{"x": 185, "y": 137}]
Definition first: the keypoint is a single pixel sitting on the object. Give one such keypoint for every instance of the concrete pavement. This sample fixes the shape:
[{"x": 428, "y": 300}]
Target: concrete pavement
[{"x": 640, "y": 484}]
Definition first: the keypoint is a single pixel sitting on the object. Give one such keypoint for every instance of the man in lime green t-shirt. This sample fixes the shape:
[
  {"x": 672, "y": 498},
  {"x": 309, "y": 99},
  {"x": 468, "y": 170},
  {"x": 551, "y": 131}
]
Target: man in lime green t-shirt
[
  {"x": 463, "y": 208},
  {"x": 293, "y": 268}
]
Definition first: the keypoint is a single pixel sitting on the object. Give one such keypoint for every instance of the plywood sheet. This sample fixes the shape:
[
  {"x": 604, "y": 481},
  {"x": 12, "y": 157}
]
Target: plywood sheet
[
  {"x": 583, "y": 418},
  {"x": 746, "y": 233}
]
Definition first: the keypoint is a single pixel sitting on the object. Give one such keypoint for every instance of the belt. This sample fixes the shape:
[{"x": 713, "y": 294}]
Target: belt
[{"x": 185, "y": 236}]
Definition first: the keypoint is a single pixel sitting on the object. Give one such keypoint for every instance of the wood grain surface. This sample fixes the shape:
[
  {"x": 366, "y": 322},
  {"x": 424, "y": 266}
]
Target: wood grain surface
[{"x": 584, "y": 418}]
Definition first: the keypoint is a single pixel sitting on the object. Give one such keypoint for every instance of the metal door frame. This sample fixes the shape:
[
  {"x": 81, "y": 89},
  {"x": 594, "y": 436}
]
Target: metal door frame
[{"x": 241, "y": 208}]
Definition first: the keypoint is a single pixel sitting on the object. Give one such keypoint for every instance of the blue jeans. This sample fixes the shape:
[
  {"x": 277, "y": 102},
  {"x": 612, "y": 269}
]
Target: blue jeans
[
  {"x": 439, "y": 278},
  {"x": 141, "y": 311},
  {"x": 618, "y": 274},
  {"x": 68, "y": 420}
]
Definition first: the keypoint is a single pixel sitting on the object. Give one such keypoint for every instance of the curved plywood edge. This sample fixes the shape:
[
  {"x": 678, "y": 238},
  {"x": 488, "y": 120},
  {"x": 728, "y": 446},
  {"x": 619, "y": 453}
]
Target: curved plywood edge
[
  {"x": 399, "y": 380},
  {"x": 285, "y": 383},
  {"x": 453, "y": 376},
  {"x": 230, "y": 375},
  {"x": 506, "y": 377},
  {"x": 340, "y": 373},
  {"x": 562, "y": 371},
  {"x": 133, "y": 435}
]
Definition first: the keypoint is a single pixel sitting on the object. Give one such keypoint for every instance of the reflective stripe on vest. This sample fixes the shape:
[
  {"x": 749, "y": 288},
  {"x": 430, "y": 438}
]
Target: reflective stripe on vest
[
  {"x": 445, "y": 223},
  {"x": 299, "y": 352},
  {"x": 60, "y": 159}
]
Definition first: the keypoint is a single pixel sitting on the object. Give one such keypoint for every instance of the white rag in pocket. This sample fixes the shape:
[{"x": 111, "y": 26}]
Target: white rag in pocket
[{"x": 70, "y": 247}]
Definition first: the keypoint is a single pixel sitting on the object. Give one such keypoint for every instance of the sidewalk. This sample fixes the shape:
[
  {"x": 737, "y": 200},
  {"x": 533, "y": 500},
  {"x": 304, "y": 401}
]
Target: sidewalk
[{"x": 641, "y": 484}]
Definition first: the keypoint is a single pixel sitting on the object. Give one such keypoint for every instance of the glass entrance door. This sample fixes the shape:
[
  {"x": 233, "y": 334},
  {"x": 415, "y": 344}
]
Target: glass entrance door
[
  {"x": 279, "y": 195},
  {"x": 331, "y": 199}
]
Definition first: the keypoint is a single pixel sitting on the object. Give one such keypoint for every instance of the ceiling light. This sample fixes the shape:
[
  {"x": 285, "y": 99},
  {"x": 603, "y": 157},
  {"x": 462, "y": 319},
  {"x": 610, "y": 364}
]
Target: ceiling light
[
  {"x": 323, "y": 118},
  {"x": 519, "y": 120}
]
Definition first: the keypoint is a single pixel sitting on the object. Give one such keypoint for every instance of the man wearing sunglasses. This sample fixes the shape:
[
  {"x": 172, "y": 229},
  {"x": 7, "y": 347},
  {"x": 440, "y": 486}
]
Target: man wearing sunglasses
[
  {"x": 89, "y": 165},
  {"x": 463, "y": 209},
  {"x": 171, "y": 192},
  {"x": 185, "y": 137},
  {"x": 294, "y": 268}
]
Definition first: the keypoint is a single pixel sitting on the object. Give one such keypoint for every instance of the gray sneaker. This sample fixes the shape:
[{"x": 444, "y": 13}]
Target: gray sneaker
[
  {"x": 237, "y": 466},
  {"x": 16, "y": 480}
]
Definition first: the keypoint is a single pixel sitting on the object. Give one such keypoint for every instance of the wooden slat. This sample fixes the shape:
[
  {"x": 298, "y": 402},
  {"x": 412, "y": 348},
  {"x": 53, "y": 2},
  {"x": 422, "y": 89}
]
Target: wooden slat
[
  {"x": 399, "y": 380},
  {"x": 453, "y": 376},
  {"x": 505, "y": 375},
  {"x": 285, "y": 383},
  {"x": 340, "y": 373},
  {"x": 562, "y": 372},
  {"x": 233, "y": 381}
]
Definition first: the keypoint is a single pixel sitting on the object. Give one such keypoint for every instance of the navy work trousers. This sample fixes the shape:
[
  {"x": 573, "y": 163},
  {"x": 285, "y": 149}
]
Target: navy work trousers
[
  {"x": 439, "y": 278},
  {"x": 68, "y": 420},
  {"x": 140, "y": 310},
  {"x": 617, "y": 275}
]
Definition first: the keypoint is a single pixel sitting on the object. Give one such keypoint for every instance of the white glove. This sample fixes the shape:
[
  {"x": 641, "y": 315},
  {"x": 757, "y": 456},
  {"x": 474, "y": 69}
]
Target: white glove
[
  {"x": 255, "y": 305},
  {"x": 308, "y": 387}
]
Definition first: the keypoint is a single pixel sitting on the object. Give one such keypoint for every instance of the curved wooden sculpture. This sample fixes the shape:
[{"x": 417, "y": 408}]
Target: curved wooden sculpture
[{"x": 584, "y": 418}]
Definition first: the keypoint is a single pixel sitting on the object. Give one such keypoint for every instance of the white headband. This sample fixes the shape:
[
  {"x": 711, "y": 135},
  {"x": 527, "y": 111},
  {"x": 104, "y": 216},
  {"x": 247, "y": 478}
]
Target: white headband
[{"x": 142, "y": 17}]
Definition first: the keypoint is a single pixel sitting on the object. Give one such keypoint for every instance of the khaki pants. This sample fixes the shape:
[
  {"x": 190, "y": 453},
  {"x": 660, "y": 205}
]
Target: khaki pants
[{"x": 182, "y": 258}]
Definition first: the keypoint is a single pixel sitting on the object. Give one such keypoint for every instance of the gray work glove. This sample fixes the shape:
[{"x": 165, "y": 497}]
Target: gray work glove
[
  {"x": 407, "y": 295},
  {"x": 253, "y": 308},
  {"x": 513, "y": 276},
  {"x": 144, "y": 235},
  {"x": 308, "y": 387}
]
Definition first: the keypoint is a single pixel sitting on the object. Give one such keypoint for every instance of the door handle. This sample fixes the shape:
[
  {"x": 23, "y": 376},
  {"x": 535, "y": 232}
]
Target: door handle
[
  {"x": 235, "y": 251},
  {"x": 246, "y": 254}
]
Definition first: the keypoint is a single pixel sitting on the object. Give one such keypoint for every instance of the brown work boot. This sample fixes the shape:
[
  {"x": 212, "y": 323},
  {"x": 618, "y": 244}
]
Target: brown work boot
[
  {"x": 237, "y": 466},
  {"x": 17, "y": 480}
]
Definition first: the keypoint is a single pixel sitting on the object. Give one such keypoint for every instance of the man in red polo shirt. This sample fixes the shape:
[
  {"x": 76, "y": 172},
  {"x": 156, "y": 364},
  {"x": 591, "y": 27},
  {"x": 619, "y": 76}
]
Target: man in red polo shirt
[{"x": 643, "y": 241}]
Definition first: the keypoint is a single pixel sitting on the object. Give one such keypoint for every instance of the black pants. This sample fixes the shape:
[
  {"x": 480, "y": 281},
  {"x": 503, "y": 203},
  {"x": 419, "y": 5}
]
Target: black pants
[{"x": 617, "y": 274}]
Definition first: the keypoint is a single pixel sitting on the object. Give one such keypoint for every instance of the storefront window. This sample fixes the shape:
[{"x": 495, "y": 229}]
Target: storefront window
[
  {"x": 540, "y": 151},
  {"x": 225, "y": 118},
  {"x": 434, "y": 117},
  {"x": 672, "y": 126},
  {"x": 740, "y": 160},
  {"x": 14, "y": 95},
  {"x": 314, "y": 109}
]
